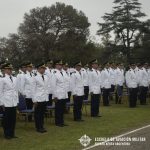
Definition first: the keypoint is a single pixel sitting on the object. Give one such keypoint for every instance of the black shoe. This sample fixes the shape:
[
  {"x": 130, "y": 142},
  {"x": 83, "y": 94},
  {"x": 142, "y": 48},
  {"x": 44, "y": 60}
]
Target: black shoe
[
  {"x": 60, "y": 125},
  {"x": 65, "y": 125},
  {"x": 80, "y": 120},
  {"x": 14, "y": 137},
  {"x": 98, "y": 116},
  {"x": 41, "y": 130},
  {"x": 8, "y": 137}
]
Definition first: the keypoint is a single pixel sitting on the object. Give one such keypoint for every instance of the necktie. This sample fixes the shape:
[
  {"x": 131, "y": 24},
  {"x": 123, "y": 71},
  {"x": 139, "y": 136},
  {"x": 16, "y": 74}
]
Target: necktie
[
  {"x": 67, "y": 73},
  {"x": 61, "y": 73},
  {"x": 96, "y": 72},
  {"x": 11, "y": 79},
  {"x": 31, "y": 74},
  {"x": 43, "y": 77}
]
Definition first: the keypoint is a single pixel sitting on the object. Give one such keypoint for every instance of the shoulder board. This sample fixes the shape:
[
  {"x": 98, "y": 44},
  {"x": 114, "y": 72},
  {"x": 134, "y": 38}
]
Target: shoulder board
[{"x": 71, "y": 73}]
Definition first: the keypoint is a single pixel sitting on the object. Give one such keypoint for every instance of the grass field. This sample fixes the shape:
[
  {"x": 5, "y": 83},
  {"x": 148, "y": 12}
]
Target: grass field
[{"x": 116, "y": 119}]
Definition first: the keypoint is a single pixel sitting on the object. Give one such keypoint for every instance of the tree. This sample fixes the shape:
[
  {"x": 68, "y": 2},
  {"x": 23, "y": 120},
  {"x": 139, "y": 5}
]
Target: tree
[
  {"x": 124, "y": 22},
  {"x": 142, "y": 46},
  {"x": 47, "y": 29}
]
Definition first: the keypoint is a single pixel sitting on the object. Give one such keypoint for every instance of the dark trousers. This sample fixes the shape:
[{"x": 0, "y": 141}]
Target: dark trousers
[
  {"x": 50, "y": 102},
  {"x": 77, "y": 107},
  {"x": 132, "y": 97},
  {"x": 67, "y": 108},
  {"x": 112, "y": 88},
  {"x": 111, "y": 92},
  {"x": 106, "y": 93},
  {"x": 69, "y": 96},
  {"x": 29, "y": 105},
  {"x": 143, "y": 94},
  {"x": 86, "y": 92},
  {"x": 95, "y": 102},
  {"x": 119, "y": 93},
  {"x": 9, "y": 121},
  {"x": 39, "y": 113},
  {"x": 59, "y": 111}
]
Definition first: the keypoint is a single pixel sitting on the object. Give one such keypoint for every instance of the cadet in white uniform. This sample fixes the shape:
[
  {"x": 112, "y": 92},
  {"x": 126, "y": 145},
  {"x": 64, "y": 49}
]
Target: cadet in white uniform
[
  {"x": 67, "y": 77},
  {"x": 143, "y": 84},
  {"x": 1, "y": 76},
  {"x": 86, "y": 81},
  {"x": 9, "y": 99},
  {"x": 60, "y": 93},
  {"x": 95, "y": 88},
  {"x": 106, "y": 84},
  {"x": 132, "y": 84},
  {"x": 49, "y": 72},
  {"x": 148, "y": 70},
  {"x": 40, "y": 97},
  {"x": 112, "y": 71},
  {"x": 77, "y": 91},
  {"x": 119, "y": 82},
  {"x": 20, "y": 77},
  {"x": 26, "y": 86}
]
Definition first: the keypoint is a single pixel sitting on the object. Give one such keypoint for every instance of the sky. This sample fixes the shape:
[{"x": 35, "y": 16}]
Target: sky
[{"x": 12, "y": 12}]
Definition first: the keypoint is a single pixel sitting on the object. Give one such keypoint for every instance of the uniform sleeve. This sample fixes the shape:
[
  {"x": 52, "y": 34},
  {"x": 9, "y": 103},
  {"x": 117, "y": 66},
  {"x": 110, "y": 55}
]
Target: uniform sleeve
[
  {"x": 127, "y": 78},
  {"x": 116, "y": 77},
  {"x": 102, "y": 79},
  {"x": 90, "y": 82},
  {"x": 53, "y": 84},
  {"x": 22, "y": 84},
  {"x": 18, "y": 82},
  {"x": 34, "y": 90},
  {"x": 1, "y": 91},
  {"x": 73, "y": 84},
  {"x": 47, "y": 84}
]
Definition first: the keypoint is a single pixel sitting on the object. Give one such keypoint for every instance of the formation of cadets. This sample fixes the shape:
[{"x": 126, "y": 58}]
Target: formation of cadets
[{"x": 55, "y": 83}]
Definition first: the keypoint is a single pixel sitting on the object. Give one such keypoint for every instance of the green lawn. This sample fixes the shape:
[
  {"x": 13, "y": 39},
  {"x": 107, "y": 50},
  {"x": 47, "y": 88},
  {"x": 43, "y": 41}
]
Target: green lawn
[{"x": 116, "y": 119}]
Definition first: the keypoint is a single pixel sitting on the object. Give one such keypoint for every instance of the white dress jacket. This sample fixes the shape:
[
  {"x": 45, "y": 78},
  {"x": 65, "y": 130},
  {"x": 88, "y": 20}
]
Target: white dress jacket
[
  {"x": 40, "y": 88},
  {"x": 8, "y": 91}
]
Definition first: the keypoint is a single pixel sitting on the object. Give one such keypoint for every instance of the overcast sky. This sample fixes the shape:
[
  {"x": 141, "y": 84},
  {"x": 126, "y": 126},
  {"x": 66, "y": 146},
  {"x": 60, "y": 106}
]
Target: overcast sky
[{"x": 12, "y": 11}]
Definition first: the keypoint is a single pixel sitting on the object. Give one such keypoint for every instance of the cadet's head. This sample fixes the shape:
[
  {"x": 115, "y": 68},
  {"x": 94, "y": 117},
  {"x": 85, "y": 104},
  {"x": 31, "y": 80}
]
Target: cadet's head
[
  {"x": 112, "y": 65},
  {"x": 106, "y": 65},
  {"x": 50, "y": 63},
  {"x": 41, "y": 68},
  {"x": 23, "y": 67},
  {"x": 86, "y": 66},
  {"x": 132, "y": 65},
  {"x": 78, "y": 65},
  {"x": 139, "y": 65},
  {"x": 7, "y": 68},
  {"x": 145, "y": 65},
  {"x": 65, "y": 66},
  {"x": 29, "y": 67},
  {"x": 59, "y": 64},
  {"x": 94, "y": 63},
  {"x": 120, "y": 66}
]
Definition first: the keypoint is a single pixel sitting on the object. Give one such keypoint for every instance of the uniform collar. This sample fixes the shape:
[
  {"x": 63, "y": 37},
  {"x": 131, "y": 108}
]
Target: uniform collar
[{"x": 6, "y": 75}]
